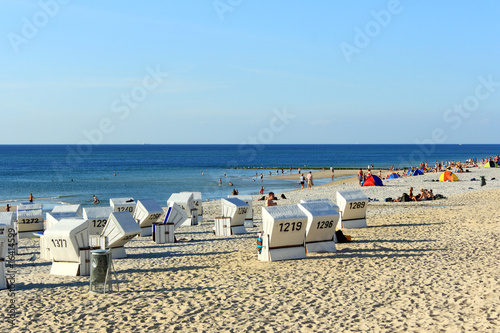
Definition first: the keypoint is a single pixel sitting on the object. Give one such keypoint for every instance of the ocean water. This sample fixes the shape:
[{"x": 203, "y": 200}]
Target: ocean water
[{"x": 72, "y": 174}]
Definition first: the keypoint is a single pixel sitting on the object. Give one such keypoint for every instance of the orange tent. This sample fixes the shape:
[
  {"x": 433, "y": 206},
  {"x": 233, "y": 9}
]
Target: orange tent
[{"x": 448, "y": 176}]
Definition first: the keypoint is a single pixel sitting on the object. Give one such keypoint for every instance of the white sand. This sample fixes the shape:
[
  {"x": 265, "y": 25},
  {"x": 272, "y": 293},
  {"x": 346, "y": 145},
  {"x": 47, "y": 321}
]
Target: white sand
[{"x": 419, "y": 267}]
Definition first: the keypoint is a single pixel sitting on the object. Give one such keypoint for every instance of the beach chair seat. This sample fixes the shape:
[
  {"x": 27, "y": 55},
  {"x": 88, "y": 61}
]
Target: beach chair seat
[
  {"x": 353, "y": 205},
  {"x": 96, "y": 217},
  {"x": 119, "y": 230},
  {"x": 248, "y": 200},
  {"x": 174, "y": 218},
  {"x": 185, "y": 200},
  {"x": 123, "y": 205},
  {"x": 322, "y": 219},
  {"x": 8, "y": 228},
  {"x": 146, "y": 213},
  {"x": 284, "y": 233},
  {"x": 198, "y": 204},
  {"x": 236, "y": 210},
  {"x": 68, "y": 242},
  {"x": 29, "y": 220},
  {"x": 3, "y": 258}
]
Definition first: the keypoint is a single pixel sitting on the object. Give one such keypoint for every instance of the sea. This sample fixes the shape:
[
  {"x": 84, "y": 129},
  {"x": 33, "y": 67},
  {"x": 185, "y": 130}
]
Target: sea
[{"x": 60, "y": 174}]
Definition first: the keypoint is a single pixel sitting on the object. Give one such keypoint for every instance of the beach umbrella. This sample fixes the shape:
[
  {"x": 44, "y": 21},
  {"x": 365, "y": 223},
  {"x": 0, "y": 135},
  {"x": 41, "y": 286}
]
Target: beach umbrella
[
  {"x": 373, "y": 181},
  {"x": 448, "y": 176},
  {"x": 393, "y": 176}
]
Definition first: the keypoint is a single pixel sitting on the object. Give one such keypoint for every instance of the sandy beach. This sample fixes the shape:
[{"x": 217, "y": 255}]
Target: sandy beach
[{"x": 419, "y": 267}]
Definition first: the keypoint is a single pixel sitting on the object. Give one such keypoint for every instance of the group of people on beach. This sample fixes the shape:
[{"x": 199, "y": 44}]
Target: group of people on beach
[
  {"x": 271, "y": 199},
  {"x": 302, "y": 180}
]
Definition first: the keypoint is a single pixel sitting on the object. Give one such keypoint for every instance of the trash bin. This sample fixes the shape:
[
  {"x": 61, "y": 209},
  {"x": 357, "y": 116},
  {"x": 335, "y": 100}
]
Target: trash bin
[
  {"x": 100, "y": 271},
  {"x": 483, "y": 181}
]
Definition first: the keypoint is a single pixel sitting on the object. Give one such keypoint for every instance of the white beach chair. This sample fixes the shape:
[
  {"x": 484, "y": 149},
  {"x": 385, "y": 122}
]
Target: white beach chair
[
  {"x": 284, "y": 233},
  {"x": 68, "y": 242},
  {"x": 322, "y": 219},
  {"x": 352, "y": 206},
  {"x": 29, "y": 220},
  {"x": 119, "y": 230},
  {"x": 174, "y": 218},
  {"x": 123, "y": 205},
  {"x": 3, "y": 257},
  {"x": 52, "y": 219},
  {"x": 185, "y": 200},
  {"x": 8, "y": 228},
  {"x": 236, "y": 210},
  {"x": 97, "y": 217},
  {"x": 146, "y": 213},
  {"x": 249, "y": 217},
  {"x": 198, "y": 204}
]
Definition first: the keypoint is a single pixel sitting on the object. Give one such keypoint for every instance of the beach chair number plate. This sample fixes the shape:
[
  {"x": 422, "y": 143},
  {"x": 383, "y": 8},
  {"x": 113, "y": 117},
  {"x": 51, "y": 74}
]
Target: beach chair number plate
[
  {"x": 285, "y": 227},
  {"x": 60, "y": 243},
  {"x": 154, "y": 216},
  {"x": 30, "y": 220},
  {"x": 325, "y": 224},
  {"x": 356, "y": 205},
  {"x": 99, "y": 223},
  {"x": 123, "y": 209},
  {"x": 242, "y": 210}
]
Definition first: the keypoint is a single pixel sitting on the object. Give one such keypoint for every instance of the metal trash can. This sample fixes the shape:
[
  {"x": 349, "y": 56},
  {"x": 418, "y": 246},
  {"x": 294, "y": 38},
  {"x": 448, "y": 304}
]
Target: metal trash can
[
  {"x": 100, "y": 271},
  {"x": 483, "y": 181}
]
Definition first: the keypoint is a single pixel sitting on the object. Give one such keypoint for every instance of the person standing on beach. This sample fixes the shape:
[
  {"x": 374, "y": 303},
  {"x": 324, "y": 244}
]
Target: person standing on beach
[
  {"x": 302, "y": 181},
  {"x": 360, "y": 176},
  {"x": 7, "y": 208},
  {"x": 309, "y": 180},
  {"x": 30, "y": 198}
]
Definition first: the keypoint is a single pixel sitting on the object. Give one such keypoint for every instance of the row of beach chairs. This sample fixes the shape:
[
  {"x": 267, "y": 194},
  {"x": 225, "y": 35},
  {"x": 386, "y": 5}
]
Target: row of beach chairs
[{"x": 71, "y": 232}]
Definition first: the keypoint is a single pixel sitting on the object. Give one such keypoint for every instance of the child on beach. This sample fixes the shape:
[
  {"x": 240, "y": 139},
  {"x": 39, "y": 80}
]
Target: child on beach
[{"x": 302, "y": 180}]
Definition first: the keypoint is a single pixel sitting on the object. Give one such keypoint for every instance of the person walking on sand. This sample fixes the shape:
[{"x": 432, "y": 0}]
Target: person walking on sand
[
  {"x": 309, "y": 180},
  {"x": 30, "y": 198},
  {"x": 302, "y": 181}
]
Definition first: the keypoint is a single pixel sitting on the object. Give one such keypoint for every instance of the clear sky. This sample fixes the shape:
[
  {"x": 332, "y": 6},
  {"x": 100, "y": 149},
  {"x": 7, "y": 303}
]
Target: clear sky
[{"x": 249, "y": 71}]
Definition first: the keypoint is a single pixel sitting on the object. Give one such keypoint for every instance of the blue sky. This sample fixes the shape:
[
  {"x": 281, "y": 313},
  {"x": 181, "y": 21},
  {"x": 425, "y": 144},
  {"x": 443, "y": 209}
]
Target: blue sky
[{"x": 241, "y": 71}]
